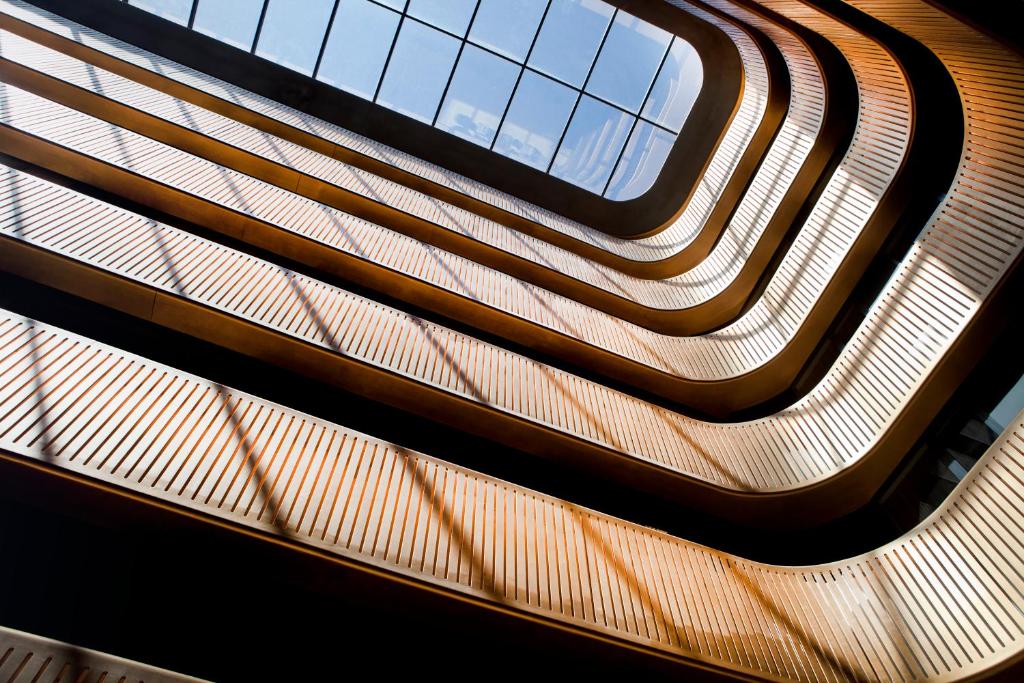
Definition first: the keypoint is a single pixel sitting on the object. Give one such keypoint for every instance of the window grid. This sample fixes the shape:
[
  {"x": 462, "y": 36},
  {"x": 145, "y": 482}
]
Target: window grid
[{"x": 522, "y": 66}]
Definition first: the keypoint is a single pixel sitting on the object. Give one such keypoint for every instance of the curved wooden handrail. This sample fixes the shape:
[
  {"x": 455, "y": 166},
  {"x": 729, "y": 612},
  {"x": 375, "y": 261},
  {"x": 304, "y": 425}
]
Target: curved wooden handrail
[
  {"x": 941, "y": 603},
  {"x": 827, "y": 453},
  {"x": 557, "y": 325},
  {"x": 27, "y": 658},
  {"x": 651, "y": 257},
  {"x": 684, "y": 304}
]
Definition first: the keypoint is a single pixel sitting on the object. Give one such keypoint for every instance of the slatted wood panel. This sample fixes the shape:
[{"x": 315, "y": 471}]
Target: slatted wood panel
[
  {"x": 730, "y": 353},
  {"x": 661, "y": 246},
  {"x": 26, "y": 658},
  {"x": 701, "y": 285},
  {"x": 878, "y": 378},
  {"x": 940, "y": 603},
  {"x": 467, "y": 280},
  {"x": 606, "y": 288}
]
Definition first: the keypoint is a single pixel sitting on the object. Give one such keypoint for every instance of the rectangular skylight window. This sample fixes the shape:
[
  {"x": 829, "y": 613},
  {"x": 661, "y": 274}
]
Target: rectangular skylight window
[
  {"x": 233, "y": 21},
  {"x": 293, "y": 32},
  {"x": 577, "y": 88},
  {"x": 358, "y": 47}
]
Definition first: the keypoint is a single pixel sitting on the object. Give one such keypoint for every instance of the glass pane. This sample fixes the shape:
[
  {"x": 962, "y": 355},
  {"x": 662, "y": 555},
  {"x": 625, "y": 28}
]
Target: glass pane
[
  {"x": 233, "y": 21},
  {"x": 360, "y": 39},
  {"x": 175, "y": 10},
  {"x": 396, "y": 4},
  {"x": 477, "y": 96},
  {"x": 507, "y": 26},
  {"x": 418, "y": 71},
  {"x": 569, "y": 39},
  {"x": 449, "y": 15},
  {"x": 591, "y": 145},
  {"x": 676, "y": 88},
  {"x": 628, "y": 61},
  {"x": 535, "y": 120},
  {"x": 293, "y": 32},
  {"x": 645, "y": 154},
  {"x": 1007, "y": 409}
]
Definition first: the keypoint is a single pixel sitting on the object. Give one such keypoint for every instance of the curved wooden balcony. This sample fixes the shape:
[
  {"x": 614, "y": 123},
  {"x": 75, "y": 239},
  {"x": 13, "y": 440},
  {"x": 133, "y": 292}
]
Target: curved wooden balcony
[
  {"x": 941, "y": 603},
  {"x": 754, "y": 123},
  {"x": 825, "y": 454},
  {"x": 26, "y": 658},
  {"x": 557, "y": 325},
  {"x": 705, "y": 297}
]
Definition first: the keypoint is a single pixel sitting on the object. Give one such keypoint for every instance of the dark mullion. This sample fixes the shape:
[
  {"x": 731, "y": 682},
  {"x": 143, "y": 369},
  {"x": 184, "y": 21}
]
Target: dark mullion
[
  {"x": 632, "y": 128},
  {"x": 391, "y": 51},
  {"x": 522, "y": 69},
  {"x": 598, "y": 98},
  {"x": 327, "y": 36},
  {"x": 192, "y": 14},
  {"x": 579, "y": 93},
  {"x": 259, "y": 27},
  {"x": 388, "y": 7},
  {"x": 458, "y": 58}
]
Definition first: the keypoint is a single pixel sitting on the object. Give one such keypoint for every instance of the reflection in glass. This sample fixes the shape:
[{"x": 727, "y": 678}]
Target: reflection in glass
[
  {"x": 535, "y": 120},
  {"x": 477, "y": 95},
  {"x": 358, "y": 47},
  {"x": 628, "y": 61},
  {"x": 449, "y": 15},
  {"x": 507, "y": 26},
  {"x": 293, "y": 32},
  {"x": 569, "y": 39},
  {"x": 232, "y": 21},
  {"x": 591, "y": 145},
  {"x": 676, "y": 88},
  {"x": 641, "y": 162},
  {"x": 418, "y": 71},
  {"x": 175, "y": 10}
]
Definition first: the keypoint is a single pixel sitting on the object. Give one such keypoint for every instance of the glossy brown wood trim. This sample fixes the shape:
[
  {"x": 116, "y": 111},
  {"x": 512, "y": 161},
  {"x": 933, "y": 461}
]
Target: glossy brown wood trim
[{"x": 711, "y": 112}]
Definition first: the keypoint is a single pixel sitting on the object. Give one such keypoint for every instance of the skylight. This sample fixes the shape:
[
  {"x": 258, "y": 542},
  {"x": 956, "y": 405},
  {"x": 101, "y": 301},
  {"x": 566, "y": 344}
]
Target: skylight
[{"x": 575, "y": 88}]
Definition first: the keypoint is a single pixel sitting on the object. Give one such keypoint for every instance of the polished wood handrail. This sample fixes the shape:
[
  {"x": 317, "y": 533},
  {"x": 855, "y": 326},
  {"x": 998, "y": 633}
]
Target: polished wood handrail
[
  {"x": 657, "y": 363},
  {"x": 794, "y": 162},
  {"x": 827, "y": 453},
  {"x": 27, "y": 658},
  {"x": 940, "y": 603},
  {"x": 641, "y": 257}
]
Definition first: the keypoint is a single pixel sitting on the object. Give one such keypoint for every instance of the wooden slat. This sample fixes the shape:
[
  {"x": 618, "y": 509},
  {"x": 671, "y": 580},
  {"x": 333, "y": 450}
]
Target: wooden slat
[
  {"x": 656, "y": 354},
  {"x": 941, "y": 603},
  {"x": 26, "y": 658},
  {"x": 665, "y": 244},
  {"x": 880, "y": 379}
]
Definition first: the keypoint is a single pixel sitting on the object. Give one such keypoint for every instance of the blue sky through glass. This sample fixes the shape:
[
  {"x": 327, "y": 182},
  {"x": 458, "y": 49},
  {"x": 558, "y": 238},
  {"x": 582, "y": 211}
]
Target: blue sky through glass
[
  {"x": 677, "y": 87},
  {"x": 569, "y": 39},
  {"x": 175, "y": 10},
  {"x": 507, "y": 26},
  {"x": 557, "y": 85},
  {"x": 233, "y": 21},
  {"x": 418, "y": 71},
  {"x": 477, "y": 96},
  {"x": 592, "y": 144},
  {"x": 535, "y": 120},
  {"x": 448, "y": 15},
  {"x": 358, "y": 47},
  {"x": 293, "y": 32},
  {"x": 641, "y": 161},
  {"x": 628, "y": 62}
]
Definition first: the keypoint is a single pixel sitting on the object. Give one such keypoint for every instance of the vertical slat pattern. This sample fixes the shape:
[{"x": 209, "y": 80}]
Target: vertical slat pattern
[
  {"x": 663, "y": 245},
  {"x": 941, "y": 603},
  {"x": 26, "y": 658}
]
